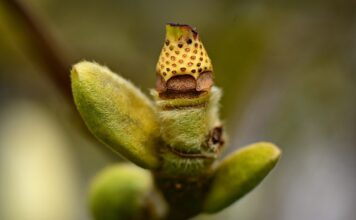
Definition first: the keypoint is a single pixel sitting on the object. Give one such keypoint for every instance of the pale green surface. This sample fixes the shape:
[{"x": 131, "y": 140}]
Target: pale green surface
[
  {"x": 118, "y": 192},
  {"x": 179, "y": 166},
  {"x": 116, "y": 112},
  {"x": 187, "y": 129},
  {"x": 181, "y": 102},
  {"x": 239, "y": 173}
]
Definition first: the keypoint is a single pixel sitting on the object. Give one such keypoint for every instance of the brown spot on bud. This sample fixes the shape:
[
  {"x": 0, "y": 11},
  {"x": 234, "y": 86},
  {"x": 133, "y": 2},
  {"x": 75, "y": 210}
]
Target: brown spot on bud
[
  {"x": 177, "y": 52},
  {"x": 171, "y": 47},
  {"x": 174, "y": 72},
  {"x": 187, "y": 49},
  {"x": 173, "y": 58},
  {"x": 189, "y": 41},
  {"x": 190, "y": 64},
  {"x": 216, "y": 135},
  {"x": 180, "y": 45},
  {"x": 180, "y": 61},
  {"x": 167, "y": 42},
  {"x": 205, "y": 81},
  {"x": 193, "y": 57},
  {"x": 160, "y": 84},
  {"x": 182, "y": 83},
  {"x": 183, "y": 69}
]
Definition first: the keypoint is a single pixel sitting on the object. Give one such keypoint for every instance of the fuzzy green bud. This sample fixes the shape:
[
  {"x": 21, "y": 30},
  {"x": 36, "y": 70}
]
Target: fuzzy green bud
[
  {"x": 239, "y": 173},
  {"x": 188, "y": 127},
  {"x": 123, "y": 192},
  {"x": 117, "y": 113}
]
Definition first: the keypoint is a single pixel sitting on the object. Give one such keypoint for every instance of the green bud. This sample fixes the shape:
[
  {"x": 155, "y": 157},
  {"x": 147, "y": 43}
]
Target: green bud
[
  {"x": 179, "y": 137},
  {"x": 239, "y": 173},
  {"x": 188, "y": 129},
  {"x": 120, "y": 192},
  {"x": 117, "y": 113}
]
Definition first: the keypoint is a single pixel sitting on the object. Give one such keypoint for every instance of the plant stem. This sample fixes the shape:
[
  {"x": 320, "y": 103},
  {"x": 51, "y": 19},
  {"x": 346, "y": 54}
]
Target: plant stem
[
  {"x": 52, "y": 59},
  {"x": 184, "y": 195}
]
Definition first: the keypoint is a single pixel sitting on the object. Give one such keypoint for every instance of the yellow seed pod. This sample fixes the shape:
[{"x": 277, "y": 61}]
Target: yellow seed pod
[{"x": 182, "y": 54}]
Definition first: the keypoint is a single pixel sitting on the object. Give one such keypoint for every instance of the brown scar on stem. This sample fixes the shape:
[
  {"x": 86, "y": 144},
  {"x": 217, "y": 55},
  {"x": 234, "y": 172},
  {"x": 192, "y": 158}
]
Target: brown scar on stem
[
  {"x": 216, "y": 135},
  {"x": 171, "y": 94},
  {"x": 215, "y": 140}
]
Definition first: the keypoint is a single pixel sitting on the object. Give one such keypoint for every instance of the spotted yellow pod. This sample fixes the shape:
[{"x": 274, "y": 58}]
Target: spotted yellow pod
[{"x": 183, "y": 54}]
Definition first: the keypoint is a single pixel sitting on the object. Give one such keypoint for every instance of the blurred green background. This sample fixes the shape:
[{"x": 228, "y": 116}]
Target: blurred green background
[{"x": 287, "y": 68}]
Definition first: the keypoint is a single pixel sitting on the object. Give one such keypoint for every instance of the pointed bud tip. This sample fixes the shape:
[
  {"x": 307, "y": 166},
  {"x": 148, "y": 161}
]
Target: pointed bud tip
[
  {"x": 183, "y": 53},
  {"x": 176, "y": 32}
]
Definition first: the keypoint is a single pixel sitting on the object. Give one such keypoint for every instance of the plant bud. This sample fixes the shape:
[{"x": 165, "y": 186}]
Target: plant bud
[
  {"x": 117, "y": 113},
  {"x": 239, "y": 173},
  {"x": 184, "y": 64}
]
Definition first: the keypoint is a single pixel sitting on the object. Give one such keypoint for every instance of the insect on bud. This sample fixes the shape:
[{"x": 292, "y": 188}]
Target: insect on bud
[{"x": 183, "y": 65}]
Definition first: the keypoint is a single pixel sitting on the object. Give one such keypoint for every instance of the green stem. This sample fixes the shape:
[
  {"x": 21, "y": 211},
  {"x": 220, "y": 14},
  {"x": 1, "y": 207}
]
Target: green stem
[{"x": 185, "y": 196}]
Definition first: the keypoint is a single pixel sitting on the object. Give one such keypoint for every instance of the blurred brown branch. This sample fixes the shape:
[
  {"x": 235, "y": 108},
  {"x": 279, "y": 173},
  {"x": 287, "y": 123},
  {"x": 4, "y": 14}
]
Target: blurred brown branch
[{"x": 51, "y": 56}]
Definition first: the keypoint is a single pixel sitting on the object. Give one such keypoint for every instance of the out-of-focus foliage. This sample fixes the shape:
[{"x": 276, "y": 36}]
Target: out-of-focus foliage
[{"x": 287, "y": 70}]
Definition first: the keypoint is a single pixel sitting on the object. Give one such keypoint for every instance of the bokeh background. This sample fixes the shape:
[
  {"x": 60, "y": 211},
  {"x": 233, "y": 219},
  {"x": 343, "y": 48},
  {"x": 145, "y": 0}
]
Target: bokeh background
[{"x": 288, "y": 70}]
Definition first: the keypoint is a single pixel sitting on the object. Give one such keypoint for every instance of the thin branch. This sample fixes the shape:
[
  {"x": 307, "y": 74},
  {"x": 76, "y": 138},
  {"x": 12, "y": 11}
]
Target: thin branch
[{"x": 51, "y": 58}]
